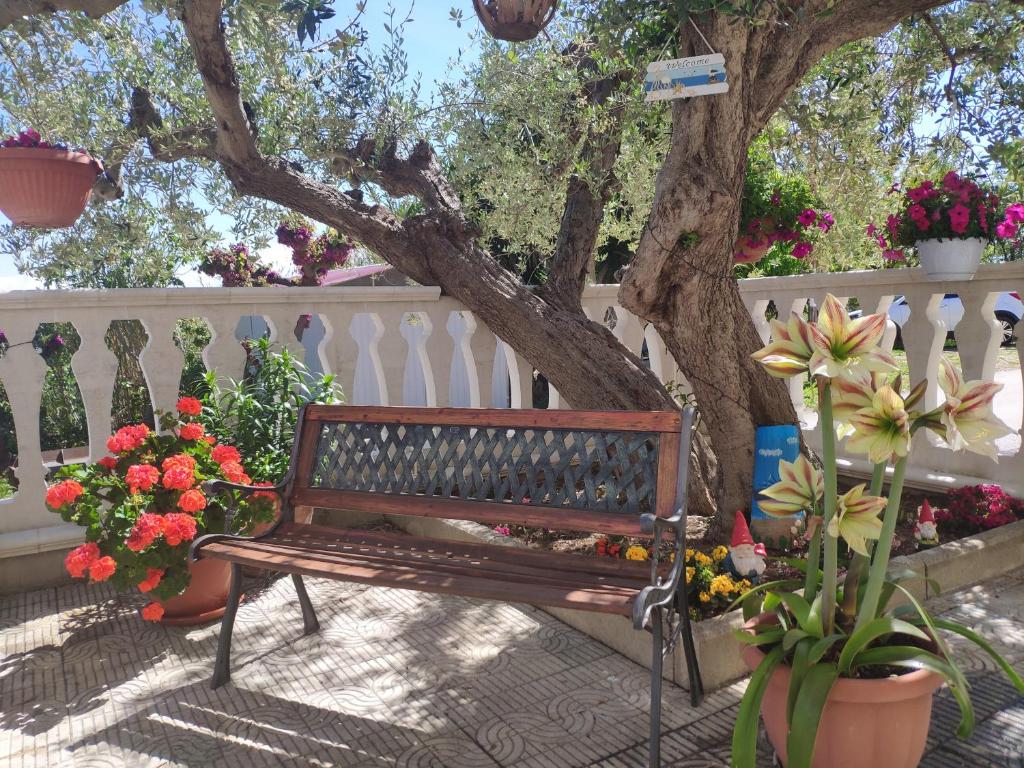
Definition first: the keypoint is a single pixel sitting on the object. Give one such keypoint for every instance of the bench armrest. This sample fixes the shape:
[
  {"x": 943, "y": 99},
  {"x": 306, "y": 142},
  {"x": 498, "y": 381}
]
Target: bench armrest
[{"x": 214, "y": 487}]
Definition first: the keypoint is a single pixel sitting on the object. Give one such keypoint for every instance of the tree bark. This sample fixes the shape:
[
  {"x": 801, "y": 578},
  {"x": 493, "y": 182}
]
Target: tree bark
[
  {"x": 689, "y": 291},
  {"x": 12, "y": 10}
]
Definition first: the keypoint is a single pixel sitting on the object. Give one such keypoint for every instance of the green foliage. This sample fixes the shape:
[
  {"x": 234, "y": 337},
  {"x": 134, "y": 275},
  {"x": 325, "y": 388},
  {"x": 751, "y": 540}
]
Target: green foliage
[
  {"x": 258, "y": 414},
  {"x": 6, "y": 488}
]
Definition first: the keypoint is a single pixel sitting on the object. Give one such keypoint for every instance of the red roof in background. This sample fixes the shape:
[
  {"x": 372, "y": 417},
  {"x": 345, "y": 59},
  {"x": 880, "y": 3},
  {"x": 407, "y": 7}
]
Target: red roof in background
[{"x": 348, "y": 274}]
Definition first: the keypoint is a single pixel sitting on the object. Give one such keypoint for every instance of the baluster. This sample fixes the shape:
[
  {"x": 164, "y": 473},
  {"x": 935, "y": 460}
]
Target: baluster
[
  {"x": 482, "y": 345},
  {"x": 924, "y": 335},
  {"x": 224, "y": 354},
  {"x": 370, "y": 387},
  {"x": 978, "y": 334},
  {"x": 463, "y": 384},
  {"x": 796, "y": 383},
  {"x": 418, "y": 378},
  {"x": 520, "y": 374},
  {"x": 23, "y": 371},
  {"x": 758, "y": 310},
  {"x": 162, "y": 362},
  {"x": 95, "y": 369},
  {"x": 500, "y": 385}
]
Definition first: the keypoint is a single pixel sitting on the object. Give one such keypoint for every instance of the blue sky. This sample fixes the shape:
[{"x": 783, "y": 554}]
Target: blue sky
[{"x": 432, "y": 40}]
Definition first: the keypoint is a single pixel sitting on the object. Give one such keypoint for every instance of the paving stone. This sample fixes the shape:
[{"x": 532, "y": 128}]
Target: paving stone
[{"x": 399, "y": 678}]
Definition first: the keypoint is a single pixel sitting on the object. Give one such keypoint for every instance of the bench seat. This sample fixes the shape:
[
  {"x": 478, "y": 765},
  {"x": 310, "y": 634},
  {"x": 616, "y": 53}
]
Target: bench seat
[{"x": 487, "y": 571}]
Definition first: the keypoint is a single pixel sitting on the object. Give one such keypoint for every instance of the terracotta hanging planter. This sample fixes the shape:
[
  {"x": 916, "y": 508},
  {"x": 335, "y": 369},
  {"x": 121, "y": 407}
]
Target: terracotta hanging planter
[
  {"x": 880, "y": 723},
  {"x": 515, "y": 20},
  {"x": 750, "y": 250},
  {"x": 204, "y": 598},
  {"x": 45, "y": 188}
]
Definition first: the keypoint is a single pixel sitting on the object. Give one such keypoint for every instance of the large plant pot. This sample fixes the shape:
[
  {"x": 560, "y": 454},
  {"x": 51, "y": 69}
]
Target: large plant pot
[
  {"x": 515, "y": 20},
  {"x": 866, "y": 723},
  {"x": 45, "y": 188},
  {"x": 950, "y": 259},
  {"x": 749, "y": 250},
  {"x": 204, "y": 598}
]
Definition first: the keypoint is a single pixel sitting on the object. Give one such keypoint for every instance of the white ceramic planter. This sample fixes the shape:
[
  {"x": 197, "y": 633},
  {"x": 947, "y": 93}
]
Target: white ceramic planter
[{"x": 950, "y": 259}]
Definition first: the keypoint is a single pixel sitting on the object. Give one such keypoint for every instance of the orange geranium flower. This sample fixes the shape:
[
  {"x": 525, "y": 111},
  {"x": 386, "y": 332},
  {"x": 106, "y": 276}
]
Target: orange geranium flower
[
  {"x": 191, "y": 431},
  {"x": 223, "y": 453},
  {"x": 235, "y": 472},
  {"x": 63, "y": 493},
  {"x": 153, "y": 576},
  {"x": 141, "y": 477},
  {"x": 108, "y": 461},
  {"x": 189, "y": 406},
  {"x": 153, "y": 612},
  {"x": 148, "y": 528},
  {"x": 80, "y": 558},
  {"x": 178, "y": 527},
  {"x": 102, "y": 569},
  {"x": 128, "y": 438},
  {"x": 192, "y": 501},
  {"x": 179, "y": 478}
]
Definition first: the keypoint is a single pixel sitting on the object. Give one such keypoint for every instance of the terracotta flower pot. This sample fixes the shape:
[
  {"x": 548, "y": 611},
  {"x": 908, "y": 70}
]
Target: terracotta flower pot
[
  {"x": 750, "y": 250},
  {"x": 866, "y": 723},
  {"x": 45, "y": 188},
  {"x": 203, "y": 599},
  {"x": 950, "y": 259}
]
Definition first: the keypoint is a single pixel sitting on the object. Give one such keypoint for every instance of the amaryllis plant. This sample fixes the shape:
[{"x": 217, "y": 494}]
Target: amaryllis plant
[
  {"x": 142, "y": 505},
  {"x": 821, "y": 629},
  {"x": 954, "y": 208}
]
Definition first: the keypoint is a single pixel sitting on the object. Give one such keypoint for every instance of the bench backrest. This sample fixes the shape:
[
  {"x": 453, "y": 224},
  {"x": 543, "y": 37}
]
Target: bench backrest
[{"x": 593, "y": 471}]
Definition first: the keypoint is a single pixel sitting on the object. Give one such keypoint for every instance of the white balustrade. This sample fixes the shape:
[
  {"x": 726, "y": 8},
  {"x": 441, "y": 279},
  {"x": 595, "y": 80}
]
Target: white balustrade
[{"x": 410, "y": 346}]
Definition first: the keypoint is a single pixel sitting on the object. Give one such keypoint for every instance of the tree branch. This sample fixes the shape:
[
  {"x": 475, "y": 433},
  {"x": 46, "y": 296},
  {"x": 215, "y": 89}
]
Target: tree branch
[
  {"x": 12, "y": 10},
  {"x": 586, "y": 198}
]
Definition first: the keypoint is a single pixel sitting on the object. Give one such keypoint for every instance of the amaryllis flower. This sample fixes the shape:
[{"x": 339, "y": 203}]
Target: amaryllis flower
[
  {"x": 967, "y": 413},
  {"x": 845, "y": 347},
  {"x": 856, "y": 518},
  {"x": 800, "y": 488},
  {"x": 790, "y": 349},
  {"x": 882, "y": 430}
]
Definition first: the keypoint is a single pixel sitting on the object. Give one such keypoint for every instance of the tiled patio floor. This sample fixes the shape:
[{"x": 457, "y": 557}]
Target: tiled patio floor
[{"x": 393, "y": 678}]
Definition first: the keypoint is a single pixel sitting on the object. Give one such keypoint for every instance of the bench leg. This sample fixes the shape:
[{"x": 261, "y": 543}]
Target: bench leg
[
  {"x": 222, "y": 668},
  {"x": 689, "y": 648},
  {"x": 657, "y": 656},
  {"x": 309, "y": 620}
]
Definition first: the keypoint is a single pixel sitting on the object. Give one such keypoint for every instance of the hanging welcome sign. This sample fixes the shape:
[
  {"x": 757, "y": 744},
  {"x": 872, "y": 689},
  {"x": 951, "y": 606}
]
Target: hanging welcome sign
[{"x": 682, "y": 78}]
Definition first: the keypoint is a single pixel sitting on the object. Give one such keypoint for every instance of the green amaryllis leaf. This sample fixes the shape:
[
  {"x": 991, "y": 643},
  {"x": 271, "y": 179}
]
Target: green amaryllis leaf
[
  {"x": 870, "y": 632},
  {"x": 910, "y": 657},
  {"x": 762, "y": 638},
  {"x": 814, "y": 624},
  {"x": 974, "y": 637},
  {"x": 821, "y": 647},
  {"x": 744, "y": 735},
  {"x": 799, "y": 607},
  {"x": 791, "y": 638},
  {"x": 752, "y": 608},
  {"x": 798, "y": 668},
  {"x": 761, "y": 588},
  {"x": 810, "y": 703}
]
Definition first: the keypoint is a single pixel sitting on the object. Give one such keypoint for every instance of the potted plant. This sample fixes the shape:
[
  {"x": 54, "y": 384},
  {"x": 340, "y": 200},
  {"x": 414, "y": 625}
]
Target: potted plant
[
  {"x": 779, "y": 213},
  {"x": 44, "y": 185},
  {"x": 515, "y": 20},
  {"x": 842, "y": 675},
  {"x": 142, "y": 506},
  {"x": 948, "y": 223}
]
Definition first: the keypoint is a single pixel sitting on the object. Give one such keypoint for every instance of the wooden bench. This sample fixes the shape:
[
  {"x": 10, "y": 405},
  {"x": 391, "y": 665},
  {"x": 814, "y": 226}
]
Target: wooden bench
[{"x": 621, "y": 473}]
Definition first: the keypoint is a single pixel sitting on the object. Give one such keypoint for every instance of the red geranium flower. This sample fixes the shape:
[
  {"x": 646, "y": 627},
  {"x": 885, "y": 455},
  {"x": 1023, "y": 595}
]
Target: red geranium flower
[
  {"x": 153, "y": 576},
  {"x": 63, "y": 493},
  {"x": 192, "y": 501},
  {"x": 223, "y": 453},
  {"x": 179, "y": 460},
  {"x": 153, "y": 612},
  {"x": 148, "y": 528},
  {"x": 179, "y": 478},
  {"x": 234, "y": 472},
  {"x": 191, "y": 431},
  {"x": 80, "y": 558},
  {"x": 128, "y": 438},
  {"x": 141, "y": 477},
  {"x": 102, "y": 569},
  {"x": 189, "y": 406},
  {"x": 108, "y": 461},
  {"x": 178, "y": 528}
]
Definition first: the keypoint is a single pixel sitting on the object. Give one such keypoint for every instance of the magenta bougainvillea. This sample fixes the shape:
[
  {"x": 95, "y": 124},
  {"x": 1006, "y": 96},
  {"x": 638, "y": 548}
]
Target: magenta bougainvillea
[{"x": 975, "y": 508}]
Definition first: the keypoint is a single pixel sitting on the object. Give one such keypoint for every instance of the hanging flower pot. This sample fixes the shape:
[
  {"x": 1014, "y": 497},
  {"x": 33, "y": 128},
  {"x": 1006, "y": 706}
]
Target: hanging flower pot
[
  {"x": 950, "y": 259},
  {"x": 751, "y": 248},
  {"x": 515, "y": 20},
  {"x": 46, "y": 188}
]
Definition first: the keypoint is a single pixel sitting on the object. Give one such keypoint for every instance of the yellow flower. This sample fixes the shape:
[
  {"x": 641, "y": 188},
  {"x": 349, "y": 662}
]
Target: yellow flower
[
  {"x": 722, "y": 585},
  {"x": 719, "y": 553},
  {"x": 689, "y": 554},
  {"x": 636, "y": 552},
  {"x": 882, "y": 431},
  {"x": 702, "y": 559},
  {"x": 690, "y": 573},
  {"x": 967, "y": 414},
  {"x": 856, "y": 518},
  {"x": 790, "y": 349},
  {"x": 705, "y": 597}
]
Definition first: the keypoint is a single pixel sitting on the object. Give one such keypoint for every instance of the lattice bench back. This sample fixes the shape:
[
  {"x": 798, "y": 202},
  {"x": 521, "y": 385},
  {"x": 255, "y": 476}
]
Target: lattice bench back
[{"x": 566, "y": 470}]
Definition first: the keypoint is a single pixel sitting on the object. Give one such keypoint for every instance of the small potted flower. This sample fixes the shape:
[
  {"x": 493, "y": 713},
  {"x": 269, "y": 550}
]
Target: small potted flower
[
  {"x": 778, "y": 214},
  {"x": 948, "y": 223},
  {"x": 143, "y": 505},
  {"x": 44, "y": 185},
  {"x": 844, "y": 674}
]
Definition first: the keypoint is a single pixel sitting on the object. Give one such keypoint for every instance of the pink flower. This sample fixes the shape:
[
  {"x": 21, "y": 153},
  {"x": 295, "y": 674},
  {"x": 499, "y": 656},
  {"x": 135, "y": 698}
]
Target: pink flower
[
  {"x": 826, "y": 222},
  {"x": 917, "y": 194},
  {"x": 983, "y": 217},
  {"x": 951, "y": 181},
  {"x": 959, "y": 218},
  {"x": 807, "y": 218},
  {"x": 893, "y": 254},
  {"x": 893, "y": 224},
  {"x": 1015, "y": 213},
  {"x": 502, "y": 530},
  {"x": 776, "y": 198},
  {"x": 871, "y": 230},
  {"x": 800, "y": 250},
  {"x": 1006, "y": 229}
]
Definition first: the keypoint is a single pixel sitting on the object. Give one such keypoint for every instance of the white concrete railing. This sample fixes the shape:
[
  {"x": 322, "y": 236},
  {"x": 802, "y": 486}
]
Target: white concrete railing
[{"x": 410, "y": 346}]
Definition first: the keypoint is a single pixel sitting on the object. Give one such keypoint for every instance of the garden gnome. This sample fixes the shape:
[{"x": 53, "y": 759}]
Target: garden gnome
[
  {"x": 926, "y": 531},
  {"x": 745, "y": 559}
]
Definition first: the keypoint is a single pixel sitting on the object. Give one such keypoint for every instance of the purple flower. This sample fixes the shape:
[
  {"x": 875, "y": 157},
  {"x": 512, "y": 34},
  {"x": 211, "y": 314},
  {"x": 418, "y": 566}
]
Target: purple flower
[
  {"x": 871, "y": 230},
  {"x": 800, "y": 250},
  {"x": 1006, "y": 229},
  {"x": 807, "y": 218},
  {"x": 893, "y": 254},
  {"x": 826, "y": 222}
]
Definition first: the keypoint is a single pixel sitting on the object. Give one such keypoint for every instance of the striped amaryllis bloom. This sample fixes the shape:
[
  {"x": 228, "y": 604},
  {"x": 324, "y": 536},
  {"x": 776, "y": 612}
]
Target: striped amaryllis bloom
[
  {"x": 800, "y": 488},
  {"x": 882, "y": 430},
  {"x": 856, "y": 518},
  {"x": 846, "y": 347},
  {"x": 790, "y": 348},
  {"x": 967, "y": 413}
]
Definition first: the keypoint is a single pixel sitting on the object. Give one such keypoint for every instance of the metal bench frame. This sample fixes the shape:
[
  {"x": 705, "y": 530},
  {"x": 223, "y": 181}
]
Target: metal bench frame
[{"x": 317, "y": 454}]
